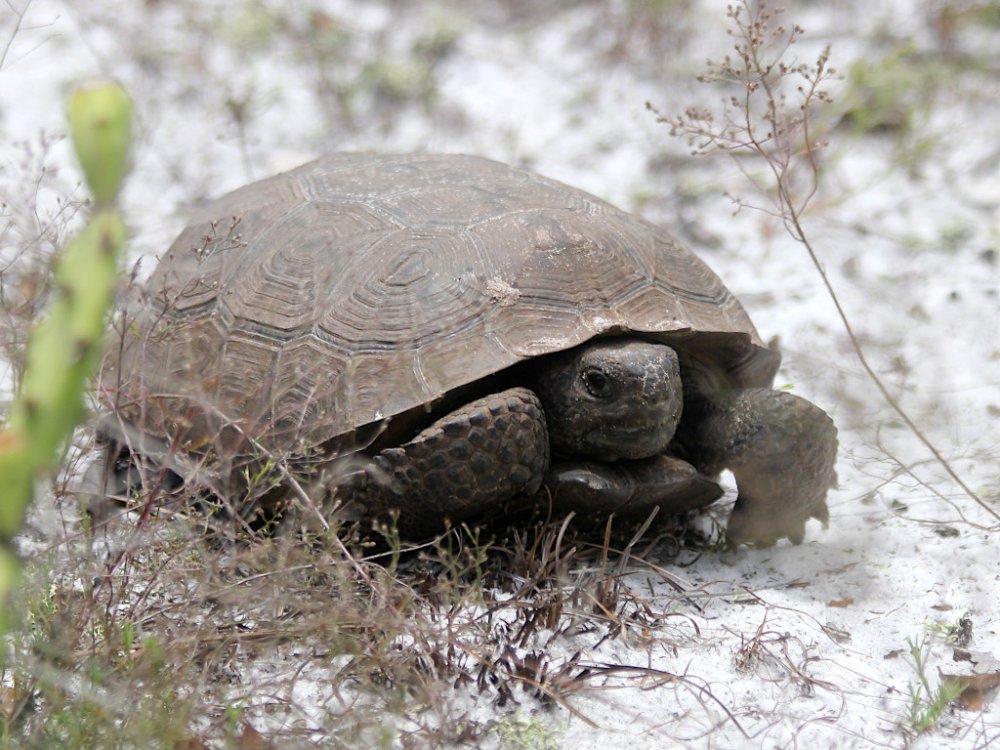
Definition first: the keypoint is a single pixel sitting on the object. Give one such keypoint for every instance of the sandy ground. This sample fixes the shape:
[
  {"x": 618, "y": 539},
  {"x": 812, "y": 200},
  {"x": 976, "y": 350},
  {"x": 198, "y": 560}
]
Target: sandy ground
[{"x": 804, "y": 646}]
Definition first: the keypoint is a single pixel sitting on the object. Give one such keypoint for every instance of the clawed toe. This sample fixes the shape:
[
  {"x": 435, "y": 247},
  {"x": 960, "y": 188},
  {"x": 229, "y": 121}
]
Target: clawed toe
[{"x": 759, "y": 525}]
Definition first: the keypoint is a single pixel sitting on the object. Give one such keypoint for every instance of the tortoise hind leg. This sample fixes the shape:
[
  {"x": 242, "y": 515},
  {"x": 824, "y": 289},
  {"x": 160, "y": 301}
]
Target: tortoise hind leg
[
  {"x": 467, "y": 462},
  {"x": 781, "y": 450}
]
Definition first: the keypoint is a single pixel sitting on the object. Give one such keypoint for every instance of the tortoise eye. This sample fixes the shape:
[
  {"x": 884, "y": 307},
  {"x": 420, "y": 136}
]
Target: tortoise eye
[{"x": 597, "y": 383}]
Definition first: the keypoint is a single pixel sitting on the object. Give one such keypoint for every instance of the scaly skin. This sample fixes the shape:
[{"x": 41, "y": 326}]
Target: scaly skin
[
  {"x": 631, "y": 489},
  {"x": 470, "y": 460},
  {"x": 781, "y": 450},
  {"x": 613, "y": 399},
  {"x": 495, "y": 449}
]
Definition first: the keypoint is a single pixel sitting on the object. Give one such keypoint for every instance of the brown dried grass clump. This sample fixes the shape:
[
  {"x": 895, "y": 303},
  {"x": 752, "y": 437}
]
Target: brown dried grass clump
[{"x": 143, "y": 630}]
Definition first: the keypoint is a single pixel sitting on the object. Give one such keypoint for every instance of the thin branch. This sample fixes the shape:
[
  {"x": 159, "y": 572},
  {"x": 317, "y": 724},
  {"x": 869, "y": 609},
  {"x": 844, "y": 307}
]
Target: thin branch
[
  {"x": 761, "y": 46},
  {"x": 18, "y": 20},
  {"x": 859, "y": 351},
  {"x": 19, "y": 27}
]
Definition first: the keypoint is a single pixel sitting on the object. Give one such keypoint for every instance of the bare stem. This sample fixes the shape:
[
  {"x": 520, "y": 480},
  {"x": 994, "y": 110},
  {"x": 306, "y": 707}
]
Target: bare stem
[
  {"x": 761, "y": 120},
  {"x": 18, "y": 20},
  {"x": 886, "y": 395}
]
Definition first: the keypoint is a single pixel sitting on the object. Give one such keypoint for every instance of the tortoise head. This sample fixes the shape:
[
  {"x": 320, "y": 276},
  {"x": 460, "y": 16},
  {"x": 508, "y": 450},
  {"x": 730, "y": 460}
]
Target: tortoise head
[{"x": 611, "y": 398}]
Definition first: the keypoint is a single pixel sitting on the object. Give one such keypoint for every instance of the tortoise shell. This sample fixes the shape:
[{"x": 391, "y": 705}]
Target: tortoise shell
[{"x": 359, "y": 287}]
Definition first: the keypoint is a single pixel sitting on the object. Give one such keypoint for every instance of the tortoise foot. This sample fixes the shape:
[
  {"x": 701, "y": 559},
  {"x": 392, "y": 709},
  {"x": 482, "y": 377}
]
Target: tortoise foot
[
  {"x": 629, "y": 488},
  {"x": 781, "y": 450}
]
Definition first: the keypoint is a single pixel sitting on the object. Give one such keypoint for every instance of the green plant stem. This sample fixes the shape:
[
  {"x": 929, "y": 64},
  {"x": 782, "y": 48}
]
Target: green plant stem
[{"x": 64, "y": 348}]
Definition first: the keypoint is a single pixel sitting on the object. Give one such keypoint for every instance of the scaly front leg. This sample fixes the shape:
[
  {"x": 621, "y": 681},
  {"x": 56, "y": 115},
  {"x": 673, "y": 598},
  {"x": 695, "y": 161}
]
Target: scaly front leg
[{"x": 781, "y": 450}]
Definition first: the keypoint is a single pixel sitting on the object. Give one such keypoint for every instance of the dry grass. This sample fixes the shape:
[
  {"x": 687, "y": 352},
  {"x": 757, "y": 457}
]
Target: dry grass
[{"x": 145, "y": 629}]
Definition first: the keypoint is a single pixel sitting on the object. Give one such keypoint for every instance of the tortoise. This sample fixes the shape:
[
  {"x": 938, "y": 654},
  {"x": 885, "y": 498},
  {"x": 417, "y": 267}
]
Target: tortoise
[{"x": 471, "y": 333}]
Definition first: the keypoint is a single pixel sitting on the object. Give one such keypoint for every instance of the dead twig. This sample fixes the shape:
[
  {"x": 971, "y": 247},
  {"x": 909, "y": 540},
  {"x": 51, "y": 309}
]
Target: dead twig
[{"x": 761, "y": 120}]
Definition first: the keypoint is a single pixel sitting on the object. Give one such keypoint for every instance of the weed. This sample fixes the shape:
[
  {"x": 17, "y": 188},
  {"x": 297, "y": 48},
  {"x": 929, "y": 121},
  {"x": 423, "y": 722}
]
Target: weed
[
  {"x": 958, "y": 633},
  {"x": 772, "y": 114},
  {"x": 152, "y": 614},
  {"x": 79, "y": 680},
  {"x": 894, "y": 95},
  {"x": 927, "y": 704},
  {"x": 64, "y": 348},
  {"x": 886, "y": 95},
  {"x": 519, "y": 732}
]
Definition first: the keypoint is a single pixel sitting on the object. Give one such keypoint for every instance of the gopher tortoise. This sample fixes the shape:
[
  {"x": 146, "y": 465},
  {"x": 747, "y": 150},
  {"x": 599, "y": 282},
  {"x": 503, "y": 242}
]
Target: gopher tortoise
[{"x": 472, "y": 335}]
